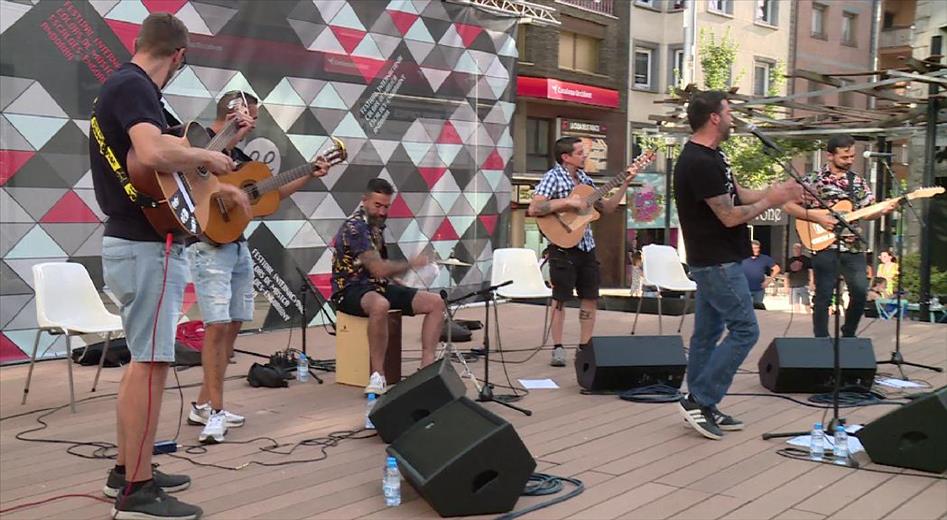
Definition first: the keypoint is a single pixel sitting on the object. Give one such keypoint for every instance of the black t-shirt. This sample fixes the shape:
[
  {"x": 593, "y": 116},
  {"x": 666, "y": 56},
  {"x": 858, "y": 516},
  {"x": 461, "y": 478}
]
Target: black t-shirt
[
  {"x": 127, "y": 98},
  {"x": 798, "y": 269},
  {"x": 702, "y": 173}
]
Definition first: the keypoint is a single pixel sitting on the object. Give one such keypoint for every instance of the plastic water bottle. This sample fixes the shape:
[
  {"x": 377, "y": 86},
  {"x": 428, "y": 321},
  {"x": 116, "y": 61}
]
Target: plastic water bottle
[
  {"x": 817, "y": 442},
  {"x": 369, "y": 405},
  {"x": 391, "y": 485},
  {"x": 302, "y": 368},
  {"x": 841, "y": 446}
]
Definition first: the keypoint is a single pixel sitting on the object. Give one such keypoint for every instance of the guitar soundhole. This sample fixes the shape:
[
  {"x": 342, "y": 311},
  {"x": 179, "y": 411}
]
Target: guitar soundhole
[{"x": 252, "y": 191}]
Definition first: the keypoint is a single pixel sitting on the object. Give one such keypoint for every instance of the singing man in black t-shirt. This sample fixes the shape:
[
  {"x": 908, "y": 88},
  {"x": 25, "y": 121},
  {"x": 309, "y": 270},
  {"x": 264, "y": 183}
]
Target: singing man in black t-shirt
[
  {"x": 146, "y": 272},
  {"x": 713, "y": 211}
]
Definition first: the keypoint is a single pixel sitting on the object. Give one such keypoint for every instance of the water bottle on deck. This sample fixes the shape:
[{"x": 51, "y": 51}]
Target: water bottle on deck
[
  {"x": 302, "y": 368},
  {"x": 817, "y": 442},
  {"x": 841, "y": 446},
  {"x": 370, "y": 404},
  {"x": 392, "y": 483}
]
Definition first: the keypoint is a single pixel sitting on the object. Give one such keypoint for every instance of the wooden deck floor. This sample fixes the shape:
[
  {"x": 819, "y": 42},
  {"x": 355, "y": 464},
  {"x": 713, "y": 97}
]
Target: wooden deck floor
[{"x": 636, "y": 460}]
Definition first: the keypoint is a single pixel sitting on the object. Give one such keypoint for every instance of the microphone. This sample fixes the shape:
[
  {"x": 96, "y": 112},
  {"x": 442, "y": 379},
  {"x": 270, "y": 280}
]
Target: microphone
[
  {"x": 767, "y": 142},
  {"x": 876, "y": 155}
]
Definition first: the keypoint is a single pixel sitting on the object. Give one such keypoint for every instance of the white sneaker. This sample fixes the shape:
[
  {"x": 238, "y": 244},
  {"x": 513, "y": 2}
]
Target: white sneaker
[
  {"x": 233, "y": 420},
  {"x": 376, "y": 384},
  {"x": 214, "y": 430},
  {"x": 200, "y": 413}
]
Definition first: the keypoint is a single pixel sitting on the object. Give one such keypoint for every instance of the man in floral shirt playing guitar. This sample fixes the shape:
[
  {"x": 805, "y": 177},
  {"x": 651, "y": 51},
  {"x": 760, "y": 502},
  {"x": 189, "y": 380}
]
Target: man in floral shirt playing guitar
[{"x": 837, "y": 182}]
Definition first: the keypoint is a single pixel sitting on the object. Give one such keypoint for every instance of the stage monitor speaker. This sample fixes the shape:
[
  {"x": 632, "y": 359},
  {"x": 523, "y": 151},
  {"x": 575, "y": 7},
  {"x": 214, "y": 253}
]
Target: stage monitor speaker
[
  {"x": 912, "y": 436},
  {"x": 806, "y": 365},
  {"x": 624, "y": 362},
  {"x": 415, "y": 398},
  {"x": 464, "y": 460}
]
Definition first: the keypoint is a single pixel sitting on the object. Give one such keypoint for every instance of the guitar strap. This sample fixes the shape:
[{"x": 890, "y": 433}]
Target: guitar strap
[{"x": 111, "y": 159}]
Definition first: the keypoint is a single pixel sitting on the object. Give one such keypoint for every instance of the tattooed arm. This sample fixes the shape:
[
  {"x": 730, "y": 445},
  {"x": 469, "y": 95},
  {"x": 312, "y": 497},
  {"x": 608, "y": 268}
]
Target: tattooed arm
[
  {"x": 381, "y": 268},
  {"x": 775, "y": 195},
  {"x": 541, "y": 206}
]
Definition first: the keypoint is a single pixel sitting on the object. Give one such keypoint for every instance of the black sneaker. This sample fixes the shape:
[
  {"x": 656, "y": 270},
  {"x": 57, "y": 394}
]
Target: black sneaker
[
  {"x": 726, "y": 422},
  {"x": 151, "y": 503},
  {"x": 700, "y": 417},
  {"x": 168, "y": 483}
]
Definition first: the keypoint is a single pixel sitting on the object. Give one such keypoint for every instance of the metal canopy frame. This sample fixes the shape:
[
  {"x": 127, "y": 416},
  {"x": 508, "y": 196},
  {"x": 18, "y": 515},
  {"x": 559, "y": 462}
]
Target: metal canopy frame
[{"x": 894, "y": 115}]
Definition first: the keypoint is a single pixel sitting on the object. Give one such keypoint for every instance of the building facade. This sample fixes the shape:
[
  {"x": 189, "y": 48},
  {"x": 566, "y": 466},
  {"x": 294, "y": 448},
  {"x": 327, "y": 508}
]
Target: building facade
[{"x": 571, "y": 81}]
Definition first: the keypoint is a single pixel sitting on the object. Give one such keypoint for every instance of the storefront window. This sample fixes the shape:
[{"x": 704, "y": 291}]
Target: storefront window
[{"x": 537, "y": 144}]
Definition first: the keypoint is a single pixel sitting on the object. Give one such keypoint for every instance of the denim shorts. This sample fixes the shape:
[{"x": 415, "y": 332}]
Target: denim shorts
[
  {"x": 223, "y": 279},
  {"x": 799, "y": 295},
  {"x": 134, "y": 273}
]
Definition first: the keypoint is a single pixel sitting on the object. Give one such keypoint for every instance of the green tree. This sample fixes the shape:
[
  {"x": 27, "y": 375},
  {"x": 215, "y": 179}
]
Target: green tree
[
  {"x": 910, "y": 268},
  {"x": 752, "y": 166}
]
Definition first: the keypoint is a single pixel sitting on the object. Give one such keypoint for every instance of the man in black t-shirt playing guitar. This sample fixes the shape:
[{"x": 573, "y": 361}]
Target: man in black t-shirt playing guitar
[
  {"x": 145, "y": 271},
  {"x": 713, "y": 211}
]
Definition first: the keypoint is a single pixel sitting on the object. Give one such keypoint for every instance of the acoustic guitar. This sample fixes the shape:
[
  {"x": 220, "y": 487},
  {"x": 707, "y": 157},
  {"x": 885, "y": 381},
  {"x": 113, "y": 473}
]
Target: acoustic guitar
[
  {"x": 816, "y": 238},
  {"x": 565, "y": 228},
  {"x": 226, "y": 225},
  {"x": 184, "y": 197}
]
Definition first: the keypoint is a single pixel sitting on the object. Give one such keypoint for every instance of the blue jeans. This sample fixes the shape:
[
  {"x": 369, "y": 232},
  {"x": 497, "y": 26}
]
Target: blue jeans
[
  {"x": 757, "y": 296},
  {"x": 723, "y": 299},
  {"x": 853, "y": 271}
]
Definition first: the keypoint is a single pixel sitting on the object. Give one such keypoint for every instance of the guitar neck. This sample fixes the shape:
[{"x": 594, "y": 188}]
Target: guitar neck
[
  {"x": 604, "y": 189},
  {"x": 274, "y": 182},
  {"x": 220, "y": 140}
]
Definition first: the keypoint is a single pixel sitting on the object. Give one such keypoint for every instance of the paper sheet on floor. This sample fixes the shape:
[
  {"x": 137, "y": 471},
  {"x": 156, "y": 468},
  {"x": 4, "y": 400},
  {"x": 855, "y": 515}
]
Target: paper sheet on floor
[
  {"x": 854, "y": 445},
  {"x": 537, "y": 384},
  {"x": 897, "y": 383}
]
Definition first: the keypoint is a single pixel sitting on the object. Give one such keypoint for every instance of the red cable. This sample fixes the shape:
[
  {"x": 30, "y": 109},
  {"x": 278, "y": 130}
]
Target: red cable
[
  {"x": 154, "y": 332},
  {"x": 51, "y": 499}
]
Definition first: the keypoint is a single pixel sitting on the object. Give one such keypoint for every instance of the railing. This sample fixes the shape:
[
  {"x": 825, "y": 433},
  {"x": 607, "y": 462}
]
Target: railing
[
  {"x": 896, "y": 37},
  {"x": 598, "y": 6}
]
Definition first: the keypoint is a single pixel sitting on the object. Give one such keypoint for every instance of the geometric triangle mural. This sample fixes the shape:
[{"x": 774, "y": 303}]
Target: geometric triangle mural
[{"x": 419, "y": 90}]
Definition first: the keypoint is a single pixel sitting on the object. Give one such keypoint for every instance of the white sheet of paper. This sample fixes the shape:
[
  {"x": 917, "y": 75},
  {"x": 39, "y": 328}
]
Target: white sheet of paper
[
  {"x": 897, "y": 383},
  {"x": 534, "y": 384}
]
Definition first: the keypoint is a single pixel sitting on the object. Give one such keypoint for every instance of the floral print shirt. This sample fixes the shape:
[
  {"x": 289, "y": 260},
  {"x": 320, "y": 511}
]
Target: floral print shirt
[
  {"x": 833, "y": 188},
  {"x": 355, "y": 237}
]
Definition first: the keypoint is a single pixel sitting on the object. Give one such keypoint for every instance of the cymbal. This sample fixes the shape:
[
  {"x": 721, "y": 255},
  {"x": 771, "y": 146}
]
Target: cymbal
[{"x": 453, "y": 262}]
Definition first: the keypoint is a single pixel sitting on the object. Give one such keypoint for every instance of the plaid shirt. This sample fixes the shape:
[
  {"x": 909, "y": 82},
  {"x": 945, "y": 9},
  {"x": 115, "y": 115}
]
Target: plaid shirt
[
  {"x": 557, "y": 183},
  {"x": 832, "y": 189}
]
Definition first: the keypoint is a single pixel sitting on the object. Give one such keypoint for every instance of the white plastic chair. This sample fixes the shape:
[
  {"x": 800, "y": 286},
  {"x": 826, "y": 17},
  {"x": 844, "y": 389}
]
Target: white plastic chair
[
  {"x": 521, "y": 266},
  {"x": 662, "y": 268},
  {"x": 67, "y": 303}
]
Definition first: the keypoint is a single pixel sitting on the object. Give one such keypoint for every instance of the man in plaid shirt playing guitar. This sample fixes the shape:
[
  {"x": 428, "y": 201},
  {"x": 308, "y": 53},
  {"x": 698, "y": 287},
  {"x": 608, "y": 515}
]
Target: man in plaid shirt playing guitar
[{"x": 575, "y": 268}]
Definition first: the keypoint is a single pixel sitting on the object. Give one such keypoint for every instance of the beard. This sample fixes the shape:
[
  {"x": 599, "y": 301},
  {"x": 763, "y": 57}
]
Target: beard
[
  {"x": 725, "y": 134},
  {"x": 377, "y": 221},
  {"x": 841, "y": 166}
]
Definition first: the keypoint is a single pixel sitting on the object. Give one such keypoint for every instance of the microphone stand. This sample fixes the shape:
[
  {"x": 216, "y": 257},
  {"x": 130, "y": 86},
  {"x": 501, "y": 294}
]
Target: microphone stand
[
  {"x": 896, "y": 358},
  {"x": 486, "y": 391},
  {"x": 774, "y": 151}
]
